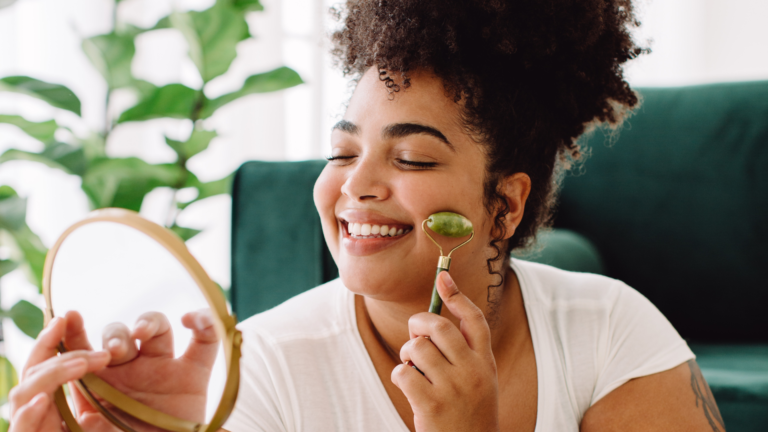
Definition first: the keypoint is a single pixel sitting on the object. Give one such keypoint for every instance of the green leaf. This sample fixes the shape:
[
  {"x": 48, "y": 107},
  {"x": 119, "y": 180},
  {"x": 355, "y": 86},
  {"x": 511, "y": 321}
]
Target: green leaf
[
  {"x": 42, "y": 131},
  {"x": 173, "y": 100},
  {"x": 145, "y": 88},
  {"x": 185, "y": 233},
  {"x": 7, "y": 192},
  {"x": 68, "y": 156},
  {"x": 7, "y": 266},
  {"x": 208, "y": 189},
  {"x": 197, "y": 142},
  {"x": 274, "y": 80},
  {"x": 55, "y": 94},
  {"x": 212, "y": 35},
  {"x": 58, "y": 155},
  {"x": 112, "y": 55},
  {"x": 8, "y": 380},
  {"x": 13, "y": 213},
  {"x": 94, "y": 147},
  {"x": 124, "y": 182},
  {"x": 163, "y": 23},
  {"x": 249, "y": 5},
  {"x": 3, "y": 425},
  {"x": 13, "y": 154},
  {"x": 34, "y": 253},
  {"x": 27, "y": 317}
]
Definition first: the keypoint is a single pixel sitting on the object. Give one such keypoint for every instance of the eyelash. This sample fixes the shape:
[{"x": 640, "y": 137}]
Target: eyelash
[{"x": 420, "y": 165}]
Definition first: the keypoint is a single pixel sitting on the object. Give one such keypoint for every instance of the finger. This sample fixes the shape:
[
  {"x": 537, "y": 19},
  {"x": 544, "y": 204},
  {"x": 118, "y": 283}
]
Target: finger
[
  {"x": 116, "y": 338},
  {"x": 426, "y": 357},
  {"x": 442, "y": 332},
  {"x": 204, "y": 345},
  {"x": 29, "y": 418},
  {"x": 47, "y": 343},
  {"x": 473, "y": 325},
  {"x": 154, "y": 331},
  {"x": 75, "y": 337},
  {"x": 415, "y": 386},
  {"x": 53, "y": 373}
]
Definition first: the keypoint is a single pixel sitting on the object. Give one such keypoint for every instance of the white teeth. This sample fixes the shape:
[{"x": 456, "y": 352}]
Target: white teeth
[{"x": 374, "y": 231}]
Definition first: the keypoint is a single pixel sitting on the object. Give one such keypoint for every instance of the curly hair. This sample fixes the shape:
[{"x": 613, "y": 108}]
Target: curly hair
[{"x": 532, "y": 76}]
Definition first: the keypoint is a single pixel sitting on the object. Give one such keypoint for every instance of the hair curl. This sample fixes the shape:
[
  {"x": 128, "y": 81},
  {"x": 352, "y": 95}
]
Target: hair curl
[{"x": 532, "y": 75}]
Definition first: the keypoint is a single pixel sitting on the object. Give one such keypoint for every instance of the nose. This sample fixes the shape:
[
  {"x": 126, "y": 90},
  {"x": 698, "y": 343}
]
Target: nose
[{"x": 365, "y": 183}]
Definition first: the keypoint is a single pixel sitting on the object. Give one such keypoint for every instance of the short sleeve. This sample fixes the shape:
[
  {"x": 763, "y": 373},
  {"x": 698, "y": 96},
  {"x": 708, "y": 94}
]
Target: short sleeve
[
  {"x": 640, "y": 341},
  {"x": 264, "y": 401}
]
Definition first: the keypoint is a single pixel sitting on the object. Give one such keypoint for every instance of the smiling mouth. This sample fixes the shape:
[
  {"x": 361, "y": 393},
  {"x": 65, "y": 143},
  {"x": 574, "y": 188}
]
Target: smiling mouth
[{"x": 362, "y": 231}]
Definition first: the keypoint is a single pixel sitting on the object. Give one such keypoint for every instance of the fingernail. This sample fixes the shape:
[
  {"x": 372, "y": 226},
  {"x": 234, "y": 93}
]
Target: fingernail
[
  {"x": 141, "y": 325},
  {"x": 99, "y": 355},
  {"x": 447, "y": 279},
  {"x": 202, "y": 322},
  {"x": 114, "y": 343}
]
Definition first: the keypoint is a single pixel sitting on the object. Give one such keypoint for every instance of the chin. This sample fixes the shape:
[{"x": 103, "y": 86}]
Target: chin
[{"x": 376, "y": 279}]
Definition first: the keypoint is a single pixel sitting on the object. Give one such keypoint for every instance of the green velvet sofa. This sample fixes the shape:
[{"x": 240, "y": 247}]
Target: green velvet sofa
[{"x": 675, "y": 204}]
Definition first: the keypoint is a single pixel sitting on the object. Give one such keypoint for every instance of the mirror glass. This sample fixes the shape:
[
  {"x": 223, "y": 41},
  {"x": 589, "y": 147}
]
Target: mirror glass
[{"x": 113, "y": 275}]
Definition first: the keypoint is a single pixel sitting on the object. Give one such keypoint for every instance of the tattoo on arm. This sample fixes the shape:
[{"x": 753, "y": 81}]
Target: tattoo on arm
[{"x": 704, "y": 394}]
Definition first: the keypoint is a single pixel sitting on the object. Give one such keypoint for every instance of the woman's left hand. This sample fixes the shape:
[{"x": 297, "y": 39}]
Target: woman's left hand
[{"x": 459, "y": 388}]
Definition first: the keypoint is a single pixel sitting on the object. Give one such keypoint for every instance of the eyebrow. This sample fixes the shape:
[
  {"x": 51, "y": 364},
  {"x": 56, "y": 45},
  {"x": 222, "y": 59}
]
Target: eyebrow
[{"x": 397, "y": 130}]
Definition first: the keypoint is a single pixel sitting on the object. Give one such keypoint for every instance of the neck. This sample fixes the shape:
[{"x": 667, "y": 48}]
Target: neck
[{"x": 389, "y": 320}]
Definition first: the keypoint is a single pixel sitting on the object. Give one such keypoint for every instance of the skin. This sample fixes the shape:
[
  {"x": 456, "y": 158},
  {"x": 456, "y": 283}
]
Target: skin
[
  {"x": 470, "y": 368},
  {"x": 150, "y": 375}
]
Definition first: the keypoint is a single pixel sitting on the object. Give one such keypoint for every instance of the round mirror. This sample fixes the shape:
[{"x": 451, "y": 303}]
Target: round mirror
[{"x": 131, "y": 287}]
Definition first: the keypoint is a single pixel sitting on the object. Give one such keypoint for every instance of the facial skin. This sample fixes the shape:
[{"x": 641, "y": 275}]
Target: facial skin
[{"x": 373, "y": 181}]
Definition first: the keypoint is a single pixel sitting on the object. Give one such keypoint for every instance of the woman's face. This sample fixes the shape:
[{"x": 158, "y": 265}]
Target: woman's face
[{"x": 396, "y": 161}]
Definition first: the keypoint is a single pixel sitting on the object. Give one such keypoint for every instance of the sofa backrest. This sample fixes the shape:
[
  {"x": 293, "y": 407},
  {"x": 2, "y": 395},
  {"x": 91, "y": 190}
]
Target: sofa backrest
[
  {"x": 278, "y": 250},
  {"x": 678, "y": 207}
]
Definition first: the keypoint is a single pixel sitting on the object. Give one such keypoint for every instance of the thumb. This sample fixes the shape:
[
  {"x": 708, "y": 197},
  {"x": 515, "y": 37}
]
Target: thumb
[{"x": 473, "y": 326}]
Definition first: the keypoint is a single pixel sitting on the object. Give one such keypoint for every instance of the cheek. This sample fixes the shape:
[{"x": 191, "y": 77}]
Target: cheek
[{"x": 327, "y": 193}]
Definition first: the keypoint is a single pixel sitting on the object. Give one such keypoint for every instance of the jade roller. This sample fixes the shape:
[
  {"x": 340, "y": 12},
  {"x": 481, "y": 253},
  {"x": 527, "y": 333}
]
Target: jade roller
[{"x": 450, "y": 225}]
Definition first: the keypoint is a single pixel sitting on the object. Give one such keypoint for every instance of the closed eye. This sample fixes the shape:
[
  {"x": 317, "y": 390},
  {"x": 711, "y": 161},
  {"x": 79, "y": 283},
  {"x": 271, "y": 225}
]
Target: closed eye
[
  {"x": 333, "y": 158},
  {"x": 414, "y": 164}
]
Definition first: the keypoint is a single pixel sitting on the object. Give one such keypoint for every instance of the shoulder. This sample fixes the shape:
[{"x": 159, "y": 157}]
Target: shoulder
[
  {"x": 575, "y": 303},
  {"x": 317, "y": 312},
  {"x": 554, "y": 288}
]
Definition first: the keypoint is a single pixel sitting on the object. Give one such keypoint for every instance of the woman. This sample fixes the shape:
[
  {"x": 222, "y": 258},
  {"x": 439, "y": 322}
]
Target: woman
[{"x": 470, "y": 107}]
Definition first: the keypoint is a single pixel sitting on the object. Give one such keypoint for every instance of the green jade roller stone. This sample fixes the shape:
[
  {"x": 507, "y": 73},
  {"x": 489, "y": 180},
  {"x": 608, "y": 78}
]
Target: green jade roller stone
[{"x": 450, "y": 225}]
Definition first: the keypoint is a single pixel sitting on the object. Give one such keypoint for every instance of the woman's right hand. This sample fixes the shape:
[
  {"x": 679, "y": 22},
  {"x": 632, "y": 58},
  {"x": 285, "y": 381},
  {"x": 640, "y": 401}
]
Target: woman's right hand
[
  {"x": 152, "y": 375},
  {"x": 31, "y": 402}
]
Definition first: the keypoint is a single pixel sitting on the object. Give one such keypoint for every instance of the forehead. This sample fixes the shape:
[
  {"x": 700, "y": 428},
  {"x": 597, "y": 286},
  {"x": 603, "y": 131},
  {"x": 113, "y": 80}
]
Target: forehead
[{"x": 425, "y": 101}]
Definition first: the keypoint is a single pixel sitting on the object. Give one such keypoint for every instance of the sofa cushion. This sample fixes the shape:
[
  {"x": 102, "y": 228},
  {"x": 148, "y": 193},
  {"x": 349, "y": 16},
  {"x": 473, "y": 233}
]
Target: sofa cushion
[{"x": 564, "y": 249}]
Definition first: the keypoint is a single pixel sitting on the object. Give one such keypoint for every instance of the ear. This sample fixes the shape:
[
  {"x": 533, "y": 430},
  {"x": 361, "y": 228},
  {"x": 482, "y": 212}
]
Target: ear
[{"x": 515, "y": 189}]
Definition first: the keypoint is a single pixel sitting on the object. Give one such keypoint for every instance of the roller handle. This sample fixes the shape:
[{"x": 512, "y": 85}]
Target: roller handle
[{"x": 436, "y": 305}]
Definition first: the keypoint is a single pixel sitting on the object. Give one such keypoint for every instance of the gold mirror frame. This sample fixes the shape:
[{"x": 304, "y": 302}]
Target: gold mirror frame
[{"x": 92, "y": 386}]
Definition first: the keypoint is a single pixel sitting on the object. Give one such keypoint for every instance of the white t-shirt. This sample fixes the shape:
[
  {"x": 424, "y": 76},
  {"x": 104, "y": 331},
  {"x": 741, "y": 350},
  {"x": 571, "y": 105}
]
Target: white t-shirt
[{"x": 305, "y": 368}]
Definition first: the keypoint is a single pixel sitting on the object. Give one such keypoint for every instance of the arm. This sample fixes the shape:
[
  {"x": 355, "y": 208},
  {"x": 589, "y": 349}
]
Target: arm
[{"x": 678, "y": 399}]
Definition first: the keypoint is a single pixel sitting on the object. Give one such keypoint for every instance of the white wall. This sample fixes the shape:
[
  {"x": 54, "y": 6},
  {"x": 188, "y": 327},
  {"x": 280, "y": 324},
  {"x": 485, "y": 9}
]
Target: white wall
[{"x": 694, "y": 41}]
